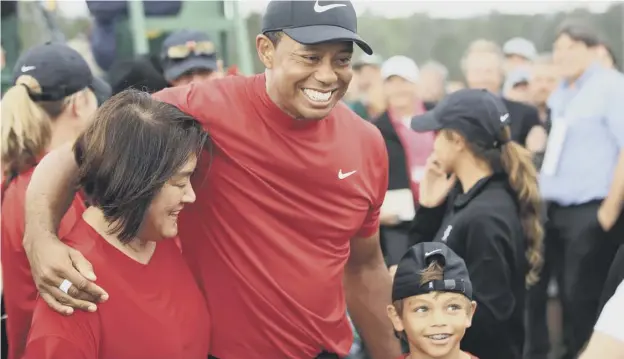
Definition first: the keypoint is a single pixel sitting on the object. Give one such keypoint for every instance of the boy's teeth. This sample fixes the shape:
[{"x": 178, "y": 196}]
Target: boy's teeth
[
  {"x": 439, "y": 336},
  {"x": 317, "y": 95}
]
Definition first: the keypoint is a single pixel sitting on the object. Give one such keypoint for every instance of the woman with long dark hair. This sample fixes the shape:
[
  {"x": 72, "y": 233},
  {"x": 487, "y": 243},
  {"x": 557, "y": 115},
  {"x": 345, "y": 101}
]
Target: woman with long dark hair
[{"x": 479, "y": 195}]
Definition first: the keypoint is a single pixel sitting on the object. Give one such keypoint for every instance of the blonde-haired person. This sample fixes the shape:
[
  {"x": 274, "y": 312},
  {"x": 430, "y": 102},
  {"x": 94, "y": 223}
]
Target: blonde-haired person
[
  {"x": 479, "y": 196},
  {"x": 50, "y": 104}
]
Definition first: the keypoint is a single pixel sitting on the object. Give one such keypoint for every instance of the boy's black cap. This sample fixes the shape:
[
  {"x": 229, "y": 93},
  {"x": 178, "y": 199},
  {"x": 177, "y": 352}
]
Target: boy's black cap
[
  {"x": 174, "y": 68},
  {"x": 477, "y": 114},
  {"x": 60, "y": 70},
  {"x": 314, "y": 22},
  {"x": 417, "y": 259}
]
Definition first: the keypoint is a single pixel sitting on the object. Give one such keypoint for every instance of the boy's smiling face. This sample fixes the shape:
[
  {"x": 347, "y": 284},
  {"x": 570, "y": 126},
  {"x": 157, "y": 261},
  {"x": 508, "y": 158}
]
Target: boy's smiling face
[{"x": 434, "y": 322}]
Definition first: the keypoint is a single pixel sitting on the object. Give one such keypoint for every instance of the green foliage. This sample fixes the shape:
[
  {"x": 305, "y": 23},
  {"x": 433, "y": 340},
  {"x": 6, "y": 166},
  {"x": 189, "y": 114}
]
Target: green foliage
[{"x": 445, "y": 40}]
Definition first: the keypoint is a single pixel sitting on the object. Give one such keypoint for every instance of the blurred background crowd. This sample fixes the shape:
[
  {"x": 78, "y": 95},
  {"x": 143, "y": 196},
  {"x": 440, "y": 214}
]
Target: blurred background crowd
[{"x": 422, "y": 52}]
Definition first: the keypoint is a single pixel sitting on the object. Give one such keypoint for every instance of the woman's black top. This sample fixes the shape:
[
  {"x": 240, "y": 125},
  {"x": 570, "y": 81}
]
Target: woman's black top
[{"x": 483, "y": 227}]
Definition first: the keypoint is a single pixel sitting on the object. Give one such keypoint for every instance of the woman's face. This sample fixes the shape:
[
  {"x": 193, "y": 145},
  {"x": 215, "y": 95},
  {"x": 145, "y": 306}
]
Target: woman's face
[
  {"x": 446, "y": 150},
  {"x": 161, "y": 219}
]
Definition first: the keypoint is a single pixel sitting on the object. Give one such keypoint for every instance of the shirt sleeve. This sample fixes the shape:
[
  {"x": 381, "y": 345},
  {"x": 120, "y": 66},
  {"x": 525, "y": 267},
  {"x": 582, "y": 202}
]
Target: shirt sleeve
[
  {"x": 490, "y": 274},
  {"x": 198, "y": 100},
  {"x": 379, "y": 176},
  {"x": 54, "y": 336},
  {"x": 610, "y": 322},
  {"x": 615, "y": 111}
]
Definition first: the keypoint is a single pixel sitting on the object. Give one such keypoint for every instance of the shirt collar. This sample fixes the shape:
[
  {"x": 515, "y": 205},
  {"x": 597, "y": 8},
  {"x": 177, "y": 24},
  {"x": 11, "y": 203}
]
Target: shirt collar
[{"x": 463, "y": 199}]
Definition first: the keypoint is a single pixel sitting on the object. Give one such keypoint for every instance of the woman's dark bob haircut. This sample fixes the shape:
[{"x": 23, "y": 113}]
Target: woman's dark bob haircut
[{"x": 133, "y": 147}]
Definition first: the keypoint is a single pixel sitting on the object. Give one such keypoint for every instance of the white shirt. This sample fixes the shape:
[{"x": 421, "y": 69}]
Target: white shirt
[{"x": 611, "y": 321}]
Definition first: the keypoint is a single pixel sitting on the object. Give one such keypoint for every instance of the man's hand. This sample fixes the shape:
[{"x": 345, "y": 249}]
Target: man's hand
[
  {"x": 607, "y": 216},
  {"x": 51, "y": 262},
  {"x": 536, "y": 139},
  {"x": 388, "y": 218}
]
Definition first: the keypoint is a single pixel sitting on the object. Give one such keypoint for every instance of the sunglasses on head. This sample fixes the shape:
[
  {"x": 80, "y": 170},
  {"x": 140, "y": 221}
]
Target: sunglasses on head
[{"x": 191, "y": 47}]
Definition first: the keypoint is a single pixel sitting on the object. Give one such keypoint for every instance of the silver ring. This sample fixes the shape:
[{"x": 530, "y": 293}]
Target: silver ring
[{"x": 65, "y": 285}]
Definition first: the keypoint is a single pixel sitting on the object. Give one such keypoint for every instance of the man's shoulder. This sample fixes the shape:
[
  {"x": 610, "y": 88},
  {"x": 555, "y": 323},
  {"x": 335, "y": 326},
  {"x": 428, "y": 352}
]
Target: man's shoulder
[{"x": 347, "y": 117}]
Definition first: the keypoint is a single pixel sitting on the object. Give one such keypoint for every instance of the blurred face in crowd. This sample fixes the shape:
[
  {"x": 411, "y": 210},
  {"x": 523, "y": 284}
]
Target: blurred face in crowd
[
  {"x": 453, "y": 86},
  {"x": 483, "y": 71},
  {"x": 367, "y": 76},
  {"x": 431, "y": 85},
  {"x": 306, "y": 81},
  {"x": 434, "y": 322},
  {"x": 604, "y": 57},
  {"x": 513, "y": 62},
  {"x": 519, "y": 93},
  {"x": 571, "y": 57},
  {"x": 400, "y": 93},
  {"x": 195, "y": 76},
  {"x": 544, "y": 80}
]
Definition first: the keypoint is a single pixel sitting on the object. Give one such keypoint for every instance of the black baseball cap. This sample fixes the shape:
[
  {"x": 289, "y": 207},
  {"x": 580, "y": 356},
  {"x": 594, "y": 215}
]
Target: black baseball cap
[
  {"x": 417, "y": 259},
  {"x": 314, "y": 22},
  {"x": 60, "y": 70},
  {"x": 174, "y": 68},
  {"x": 478, "y": 115}
]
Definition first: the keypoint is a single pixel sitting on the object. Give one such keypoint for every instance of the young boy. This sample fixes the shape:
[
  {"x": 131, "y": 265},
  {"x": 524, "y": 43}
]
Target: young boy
[{"x": 432, "y": 302}]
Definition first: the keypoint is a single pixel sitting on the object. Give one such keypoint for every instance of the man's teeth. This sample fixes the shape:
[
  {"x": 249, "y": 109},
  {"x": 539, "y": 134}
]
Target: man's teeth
[
  {"x": 317, "y": 95},
  {"x": 439, "y": 336}
]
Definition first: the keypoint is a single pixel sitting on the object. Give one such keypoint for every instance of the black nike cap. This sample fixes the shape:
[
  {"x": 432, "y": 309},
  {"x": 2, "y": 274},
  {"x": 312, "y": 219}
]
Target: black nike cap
[
  {"x": 478, "y": 115},
  {"x": 60, "y": 70},
  {"x": 418, "y": 258},
  {"x": 314, "y": 22}
]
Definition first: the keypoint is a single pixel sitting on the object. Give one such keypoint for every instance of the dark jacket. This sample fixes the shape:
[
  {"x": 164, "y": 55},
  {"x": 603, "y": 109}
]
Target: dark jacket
[
  {"x": 523, "y": 118},
  {"x": 483, "y": 227},
  {"x": 395, "y": 239}
]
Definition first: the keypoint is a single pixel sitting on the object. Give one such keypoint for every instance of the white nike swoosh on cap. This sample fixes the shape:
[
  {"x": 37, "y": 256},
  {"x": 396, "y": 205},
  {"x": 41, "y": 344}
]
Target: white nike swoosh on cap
[
  {"x": 427, "y": 254},
  {"x": 27, "y": 68},
  {"x": 322, "y": 8}
]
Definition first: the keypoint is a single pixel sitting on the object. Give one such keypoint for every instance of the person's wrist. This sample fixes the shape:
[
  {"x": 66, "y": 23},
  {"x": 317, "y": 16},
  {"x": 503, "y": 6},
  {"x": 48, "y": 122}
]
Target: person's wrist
[{"x": 31, "y": 237}]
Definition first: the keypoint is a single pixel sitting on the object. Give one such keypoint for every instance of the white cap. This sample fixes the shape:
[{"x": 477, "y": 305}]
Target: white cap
[
  {"x": 401, "y": 66},
  {"x": 521, "y": 47}
]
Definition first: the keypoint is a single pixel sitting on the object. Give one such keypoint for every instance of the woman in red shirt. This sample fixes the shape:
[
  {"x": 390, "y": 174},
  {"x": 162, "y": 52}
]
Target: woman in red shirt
[
  {"x": 135, "y": 163},
  {"x": 50, "y": 104}
]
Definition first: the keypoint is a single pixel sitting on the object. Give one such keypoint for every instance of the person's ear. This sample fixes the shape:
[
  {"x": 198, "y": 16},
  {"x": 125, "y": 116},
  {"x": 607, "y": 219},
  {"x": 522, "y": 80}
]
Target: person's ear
[
  {"x": 471, "y": 312},
  {"x": 395, "y": 318},
  {"x": 266, "y": 50}
]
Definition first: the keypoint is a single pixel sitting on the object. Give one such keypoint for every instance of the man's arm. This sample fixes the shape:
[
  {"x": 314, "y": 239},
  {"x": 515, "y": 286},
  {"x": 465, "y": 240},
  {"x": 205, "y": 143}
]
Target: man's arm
[
  {"x": 49, "y": 195},
  {"x": 368, "y": 291},
  {"x": 611, "y": 207}
]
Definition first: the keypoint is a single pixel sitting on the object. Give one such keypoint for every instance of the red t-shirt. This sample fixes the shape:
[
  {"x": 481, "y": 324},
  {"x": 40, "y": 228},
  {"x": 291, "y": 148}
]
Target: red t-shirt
[
  {"x": 406, "y": 356},
  {"x": 20, "y": 293},
  {"x": 155, "y": 311},
  {"x": 269, "y": 234}
]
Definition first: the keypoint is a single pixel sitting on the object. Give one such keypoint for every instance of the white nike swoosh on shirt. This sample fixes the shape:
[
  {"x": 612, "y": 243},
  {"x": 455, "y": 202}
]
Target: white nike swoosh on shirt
[
  {"x": 345, "y": 175},
  {"x": 27, "y": 68},
  {"x": 322, "y": 8}
]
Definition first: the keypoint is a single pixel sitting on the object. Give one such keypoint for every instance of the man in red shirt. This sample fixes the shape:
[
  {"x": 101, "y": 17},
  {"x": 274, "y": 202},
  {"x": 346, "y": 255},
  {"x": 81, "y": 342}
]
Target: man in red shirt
[{"x": 287, "y": 201}]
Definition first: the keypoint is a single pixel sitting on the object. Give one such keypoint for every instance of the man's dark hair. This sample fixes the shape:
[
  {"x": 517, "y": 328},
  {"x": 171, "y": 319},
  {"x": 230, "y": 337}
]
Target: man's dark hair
[
  {"x": 611, "y": 54},
  {"x": 142, "y": 73},
  {"x": 133, "y": 147},
  {"x": 579, "y": 31},
  {"x": 274, "y": 36}
]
